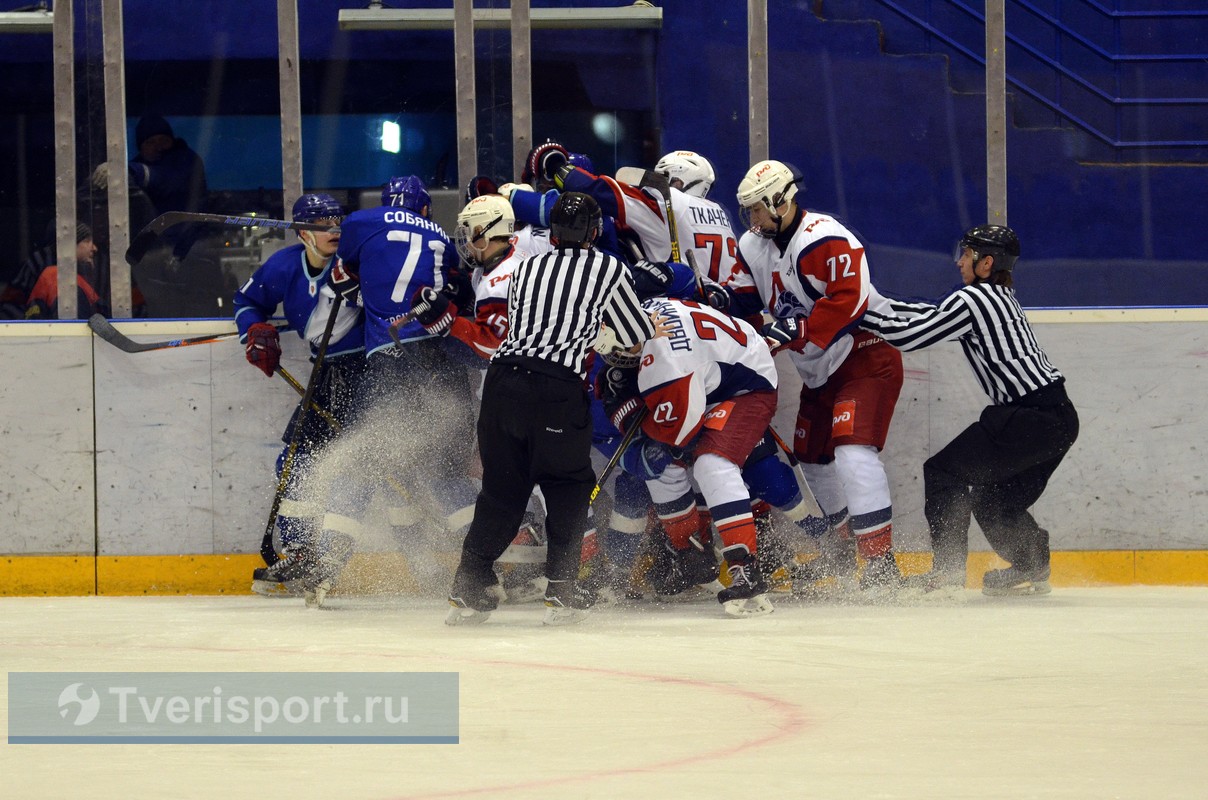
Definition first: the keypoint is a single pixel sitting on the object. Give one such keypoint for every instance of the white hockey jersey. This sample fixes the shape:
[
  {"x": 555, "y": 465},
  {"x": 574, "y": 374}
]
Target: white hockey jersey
[
  {"x": 484, "y": 333},
  {"x": 704, "y": 230},
  {"x": 708, "y": 358},
  {"x": 820, "y": 274}
]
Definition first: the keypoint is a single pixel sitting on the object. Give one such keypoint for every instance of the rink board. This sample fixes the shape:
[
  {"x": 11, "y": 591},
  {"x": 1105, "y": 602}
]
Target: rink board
[{"x": 117, "y": 461}]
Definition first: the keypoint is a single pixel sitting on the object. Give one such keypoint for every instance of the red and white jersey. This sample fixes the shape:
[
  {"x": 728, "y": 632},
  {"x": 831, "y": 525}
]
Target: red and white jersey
[
  {"x": 639, "y": 214},
  {"x": 704, "y": 229},
  {"x": 484, "y": 333},
  {"x": 708, "y": 359},
  {"x": 821, "y": 274}
]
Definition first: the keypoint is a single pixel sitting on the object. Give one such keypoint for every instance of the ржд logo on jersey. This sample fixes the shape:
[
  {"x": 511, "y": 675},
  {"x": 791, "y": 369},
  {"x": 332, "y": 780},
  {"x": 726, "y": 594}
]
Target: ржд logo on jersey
[{"x": 844, "y": 423}]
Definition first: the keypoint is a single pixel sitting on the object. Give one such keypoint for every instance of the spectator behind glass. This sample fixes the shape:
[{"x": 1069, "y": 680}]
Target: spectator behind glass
[
  {"x": 43, "y": 300},
  {"x": 166, "y": 169}
]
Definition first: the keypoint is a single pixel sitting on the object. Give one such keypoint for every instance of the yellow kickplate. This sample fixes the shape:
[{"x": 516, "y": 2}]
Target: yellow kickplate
[
  {"x": 392, "y": 573},
  {"x": 60, "y": 576}
]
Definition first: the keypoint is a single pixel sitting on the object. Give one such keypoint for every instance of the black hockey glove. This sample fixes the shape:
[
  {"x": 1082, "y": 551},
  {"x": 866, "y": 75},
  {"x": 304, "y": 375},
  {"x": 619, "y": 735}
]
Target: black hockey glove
[
  {"x": 715, "y": 295},
  {"x": 619, "y": 392},
  {"x": 433, "y": 310},
  {"x": 784, "y": 333},
  {"x": 651, "y": 278}
]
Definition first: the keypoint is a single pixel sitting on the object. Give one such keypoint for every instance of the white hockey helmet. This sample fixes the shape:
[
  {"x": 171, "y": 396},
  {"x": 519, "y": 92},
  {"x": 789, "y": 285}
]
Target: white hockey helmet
[
  {"x": 770, "y": 184},
  {"x": 692, "y": 169},
  {"x": 484, "y": 218}
]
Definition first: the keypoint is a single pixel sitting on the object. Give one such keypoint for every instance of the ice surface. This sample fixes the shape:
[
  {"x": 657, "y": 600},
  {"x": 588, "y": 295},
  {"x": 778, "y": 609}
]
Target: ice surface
[{"x": 1087, "y": 693}]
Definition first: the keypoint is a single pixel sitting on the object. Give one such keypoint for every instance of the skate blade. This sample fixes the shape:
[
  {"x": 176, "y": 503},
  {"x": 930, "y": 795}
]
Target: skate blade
[
  {"x": 1022, "y": 590},
  {"x": 466, "y": 616},
  {"x": 755, "y": 606},
  {"x": 275, "y": 589},
  {"x": 560, "y": 615}
]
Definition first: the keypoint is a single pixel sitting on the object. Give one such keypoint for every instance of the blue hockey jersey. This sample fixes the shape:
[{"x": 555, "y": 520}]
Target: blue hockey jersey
[
  {"x": 395, "y": 253},
  {"x": 283, "y": 280}
]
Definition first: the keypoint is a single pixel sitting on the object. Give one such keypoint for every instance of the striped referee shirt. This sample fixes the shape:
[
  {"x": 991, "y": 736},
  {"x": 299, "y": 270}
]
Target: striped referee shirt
[
  {"x": 990, "y": 325},
  {"x": 558, "y": 300}
]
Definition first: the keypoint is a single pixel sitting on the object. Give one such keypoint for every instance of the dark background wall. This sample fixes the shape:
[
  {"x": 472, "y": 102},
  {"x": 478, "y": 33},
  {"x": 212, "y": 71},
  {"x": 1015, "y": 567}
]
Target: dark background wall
[{"x": 888, "y": 135}]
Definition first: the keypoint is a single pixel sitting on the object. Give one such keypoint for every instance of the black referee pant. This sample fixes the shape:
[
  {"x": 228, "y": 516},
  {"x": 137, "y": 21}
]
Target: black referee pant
[
  {"x": 995, "y": 470},
  {"x": 534, "y": 428}
]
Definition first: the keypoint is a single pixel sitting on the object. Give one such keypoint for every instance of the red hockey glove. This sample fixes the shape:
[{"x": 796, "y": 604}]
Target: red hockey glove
[
  {"x": 344, "y": 281},
  {"x": 433, "y": 310},
  {"x": 264, "y": 348},
  {"x": 543, "y": 162},
  {"x": 618, "y": 388},
  {"x": 784, "y": 333}
]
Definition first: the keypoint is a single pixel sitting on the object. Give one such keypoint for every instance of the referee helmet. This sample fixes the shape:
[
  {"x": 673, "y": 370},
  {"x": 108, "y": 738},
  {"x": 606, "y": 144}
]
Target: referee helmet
[
  {"x": 997, "y": 241},
  {"x": 575, "y": 220}
]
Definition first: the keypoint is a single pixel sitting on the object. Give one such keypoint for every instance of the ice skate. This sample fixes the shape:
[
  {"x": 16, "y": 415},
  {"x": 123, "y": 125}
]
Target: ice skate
[
  {"x": 936, "y": 586},
  {"x": 284, "y": 578},
  {"x": 881, "y": 579},
  {"x": 567, "y": 603},
  {"x": 334, "y": 553},
  {"x": 694, "y": 565},
  {"x": 832, "y": 574},
  {"x": 746, "y": 596},
  {"x": 1012, "y": 582},
  {"x": 473, "y": 598}
]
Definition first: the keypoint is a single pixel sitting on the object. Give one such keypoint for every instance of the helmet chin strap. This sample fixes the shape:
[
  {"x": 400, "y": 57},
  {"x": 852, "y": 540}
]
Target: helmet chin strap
[{"x": 312, "y": 248}]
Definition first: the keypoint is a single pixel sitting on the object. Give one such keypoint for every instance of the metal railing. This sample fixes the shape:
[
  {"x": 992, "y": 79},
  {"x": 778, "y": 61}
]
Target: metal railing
[{"x": 1115, "y": 59}]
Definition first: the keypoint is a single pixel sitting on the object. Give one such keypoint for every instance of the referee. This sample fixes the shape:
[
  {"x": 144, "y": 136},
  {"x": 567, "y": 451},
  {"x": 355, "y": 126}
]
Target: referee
[
  {"x": 534, "y": 426},
  {"x": 999, "y": 466}
]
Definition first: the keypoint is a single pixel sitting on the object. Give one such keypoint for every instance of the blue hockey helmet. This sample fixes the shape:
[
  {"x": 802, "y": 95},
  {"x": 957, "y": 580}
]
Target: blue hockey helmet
[
  {"x": 582, "y": 161},
  {"x": 407, "y": 192},
  {"x": 683, "y": 282},
  {"x": 316, "y": 208}
]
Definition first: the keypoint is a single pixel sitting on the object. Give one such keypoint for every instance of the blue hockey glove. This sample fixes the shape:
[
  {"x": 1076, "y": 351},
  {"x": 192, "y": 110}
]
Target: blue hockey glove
[{"x": 646, "y": 458}]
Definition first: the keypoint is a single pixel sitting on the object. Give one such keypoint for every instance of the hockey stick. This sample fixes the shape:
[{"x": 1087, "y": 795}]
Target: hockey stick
[
  {"x": 155, "y": 228},
  {"x": 419, "y": 308},
  {"x": 616, "y": 457},
  {"x": 807, "y": 494},
  {"x": 645, "y": 178},
  {"x": 267, "y": 551},
  {"x": 700, "y": 281},
  {"x": 335, "y": 426},
  {"x": 327, "y": 416},
  {"x": 104, "y": 329}
]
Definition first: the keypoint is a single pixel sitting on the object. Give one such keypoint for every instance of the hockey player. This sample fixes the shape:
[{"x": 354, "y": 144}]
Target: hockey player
[
  {"x": 295, "y": 278},
  {"x": 486, "y": 238},
  {"x": 703, "y": 225},
  {"x": 999, "y": 466},
  {"x": 709, "y": 387},
  {"x": 388, "y": 255},
  {"x": 810, "y": 273}
]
